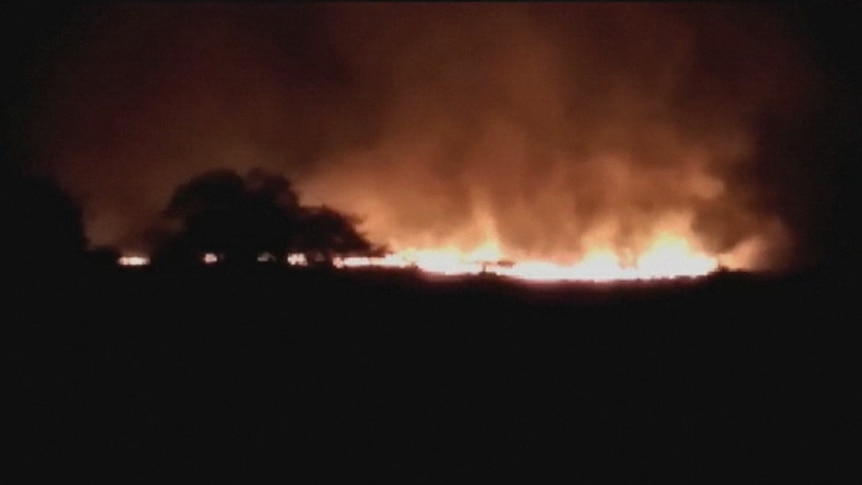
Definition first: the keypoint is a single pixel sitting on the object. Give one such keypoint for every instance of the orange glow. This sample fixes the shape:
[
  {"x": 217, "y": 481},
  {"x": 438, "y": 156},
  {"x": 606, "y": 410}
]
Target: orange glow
[
  {"x": 133, "y": 260},
  {"x": 666, "y": 257},
  {"x": 668, "y": 248}
]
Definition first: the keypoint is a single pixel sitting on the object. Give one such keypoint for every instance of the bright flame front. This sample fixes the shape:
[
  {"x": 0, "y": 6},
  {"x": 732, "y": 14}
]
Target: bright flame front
[{"x": 667, "y": 257}]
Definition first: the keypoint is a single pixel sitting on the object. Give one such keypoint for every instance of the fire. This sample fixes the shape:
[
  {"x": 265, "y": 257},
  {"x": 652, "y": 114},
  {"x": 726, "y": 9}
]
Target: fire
[
  {"x": 669, "y": 249},
  {"x": 133, "y": 260},
  {"x": 667, "y": 257}
]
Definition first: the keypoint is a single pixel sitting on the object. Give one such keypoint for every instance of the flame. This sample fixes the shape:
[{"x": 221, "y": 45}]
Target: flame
[
  {"x": 297, "y": 259},
  {"x": 133, "y": 260},
  {"x": 667, "y": 257},
  {"x": 671, "y": 249}
]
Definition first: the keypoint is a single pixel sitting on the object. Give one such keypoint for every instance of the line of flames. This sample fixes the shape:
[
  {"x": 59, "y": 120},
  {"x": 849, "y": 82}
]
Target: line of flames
[{"x": 668, "y": 257}]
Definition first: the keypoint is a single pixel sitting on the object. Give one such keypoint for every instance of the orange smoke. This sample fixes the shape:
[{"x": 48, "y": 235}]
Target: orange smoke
[
  {"x": 572, "y": 152},
  {"x": 604, "y": 140}
]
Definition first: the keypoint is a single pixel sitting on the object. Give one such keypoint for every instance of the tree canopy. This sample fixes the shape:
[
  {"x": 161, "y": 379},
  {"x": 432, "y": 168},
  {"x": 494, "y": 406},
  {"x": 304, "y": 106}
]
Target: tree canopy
[{"x": 243, "y": 217}]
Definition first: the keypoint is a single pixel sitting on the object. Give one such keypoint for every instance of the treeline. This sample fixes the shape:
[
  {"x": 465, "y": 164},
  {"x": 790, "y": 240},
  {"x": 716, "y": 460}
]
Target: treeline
[{"x": 238, "y": 217}]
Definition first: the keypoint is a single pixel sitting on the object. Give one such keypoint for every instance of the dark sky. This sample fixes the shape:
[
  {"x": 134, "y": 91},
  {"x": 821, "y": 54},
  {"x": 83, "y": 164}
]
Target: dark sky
[{"x": 549, "y": 128}]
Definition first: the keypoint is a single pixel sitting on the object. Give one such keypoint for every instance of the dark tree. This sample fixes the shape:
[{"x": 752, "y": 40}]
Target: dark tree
[
  {"x": 325, "y": 232},
  {"x": 243, "y": 217},
  {"x": 43, "y": 226}
]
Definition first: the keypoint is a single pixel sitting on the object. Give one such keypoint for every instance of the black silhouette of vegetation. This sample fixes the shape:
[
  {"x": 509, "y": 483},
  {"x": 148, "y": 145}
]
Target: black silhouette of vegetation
[
  {"x": 324, "y": 232},
  {"x": 43, "y": 225},
  {"x": 241, "y": 218}
]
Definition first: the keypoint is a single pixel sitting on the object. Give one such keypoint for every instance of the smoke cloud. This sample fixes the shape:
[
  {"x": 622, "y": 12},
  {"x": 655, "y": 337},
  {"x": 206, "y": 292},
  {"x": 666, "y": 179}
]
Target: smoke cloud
[{"x": 549, "y": 129}]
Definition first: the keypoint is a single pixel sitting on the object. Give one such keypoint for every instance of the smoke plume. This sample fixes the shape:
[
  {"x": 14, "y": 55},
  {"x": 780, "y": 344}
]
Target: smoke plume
[{"x": 548, "y": 129}]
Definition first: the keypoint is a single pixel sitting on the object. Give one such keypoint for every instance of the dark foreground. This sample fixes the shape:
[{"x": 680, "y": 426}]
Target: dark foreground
[{"x": 270, "y": 376}]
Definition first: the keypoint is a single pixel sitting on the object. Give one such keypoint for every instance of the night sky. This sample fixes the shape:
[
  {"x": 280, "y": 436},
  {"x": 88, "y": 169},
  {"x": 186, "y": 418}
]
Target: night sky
[{"x": 548, "y": 125}]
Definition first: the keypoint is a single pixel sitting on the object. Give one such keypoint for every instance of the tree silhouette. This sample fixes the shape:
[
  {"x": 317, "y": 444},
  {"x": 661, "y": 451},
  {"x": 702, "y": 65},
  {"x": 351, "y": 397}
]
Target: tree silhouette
[
  {"x": 243, "y": 217},
  {"x": 325, "y": 233},
  {"x": 43, "y": 224}
]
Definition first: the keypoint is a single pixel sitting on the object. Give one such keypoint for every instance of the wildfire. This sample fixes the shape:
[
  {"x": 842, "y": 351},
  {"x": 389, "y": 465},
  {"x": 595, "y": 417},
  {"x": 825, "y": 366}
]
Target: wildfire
[
  {"x": 669, "y": 254},
  {"x": 667, "y": 257},
  {"x": 133, "y": 260}
]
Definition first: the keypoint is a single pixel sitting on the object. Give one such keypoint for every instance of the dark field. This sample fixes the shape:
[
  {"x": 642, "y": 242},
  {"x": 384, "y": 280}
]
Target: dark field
[{"x": 266, "y": 375}]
